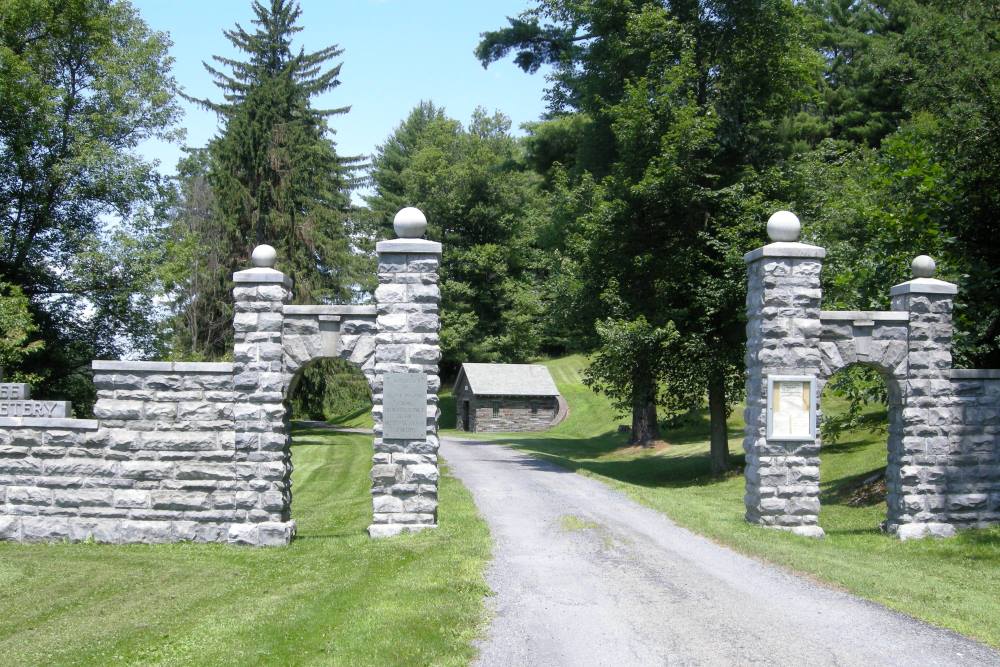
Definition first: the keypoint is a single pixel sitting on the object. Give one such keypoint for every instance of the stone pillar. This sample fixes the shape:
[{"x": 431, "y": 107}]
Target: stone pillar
[
  {"x": 405, "y": 470},
  {"x": 929, "y": 407},
  {"x": 261, "y": 422},
  {"x": 783, "y": 331}
]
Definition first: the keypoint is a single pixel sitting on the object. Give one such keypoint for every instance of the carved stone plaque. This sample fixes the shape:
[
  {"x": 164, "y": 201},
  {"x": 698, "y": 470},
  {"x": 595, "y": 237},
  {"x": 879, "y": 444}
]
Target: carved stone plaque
[
  {"x": 404, "y": 405},
  {"x": 14, "y": 403},
  {"x": 42, "y": 409}
]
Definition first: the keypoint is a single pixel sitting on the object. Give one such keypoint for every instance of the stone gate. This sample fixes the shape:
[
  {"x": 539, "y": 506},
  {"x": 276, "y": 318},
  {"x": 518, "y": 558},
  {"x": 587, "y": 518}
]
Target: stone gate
[
  {"x": 201, "y": 451},
  {"x": 943, "y": 469}
]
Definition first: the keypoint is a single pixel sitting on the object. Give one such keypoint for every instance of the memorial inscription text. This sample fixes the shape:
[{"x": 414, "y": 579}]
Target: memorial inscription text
[{"x": 404, "y": 405}]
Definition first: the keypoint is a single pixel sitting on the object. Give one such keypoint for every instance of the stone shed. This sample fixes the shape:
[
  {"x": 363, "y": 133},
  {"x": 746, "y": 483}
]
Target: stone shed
[{"x": 506, "y": 397}]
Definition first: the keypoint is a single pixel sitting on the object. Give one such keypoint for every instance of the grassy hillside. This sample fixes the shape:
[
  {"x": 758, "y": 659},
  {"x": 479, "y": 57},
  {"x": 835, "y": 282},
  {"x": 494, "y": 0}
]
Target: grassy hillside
[
  {"x": 954, "y": 583},
  {"x": 333, "y": 597}
]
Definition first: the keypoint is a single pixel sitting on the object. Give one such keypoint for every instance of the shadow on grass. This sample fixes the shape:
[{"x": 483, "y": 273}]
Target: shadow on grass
[
  {"x": 840, "y": 491},
  {"x": 653, "y": 470},
  {"x": 334, "y": 437},
  {"x": 350, "y": 416},
  {"x": 987, "y": 539}
]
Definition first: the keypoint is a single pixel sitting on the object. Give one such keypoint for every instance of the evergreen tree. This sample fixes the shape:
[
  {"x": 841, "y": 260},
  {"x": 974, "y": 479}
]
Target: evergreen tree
[{"x": 274, "y": 172}]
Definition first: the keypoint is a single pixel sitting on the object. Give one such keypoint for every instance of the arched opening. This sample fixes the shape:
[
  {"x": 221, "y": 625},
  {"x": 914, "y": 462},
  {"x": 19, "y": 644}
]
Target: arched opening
[
  {"x": 861, "y": 433},
  {"x": 329, "y": 406}
]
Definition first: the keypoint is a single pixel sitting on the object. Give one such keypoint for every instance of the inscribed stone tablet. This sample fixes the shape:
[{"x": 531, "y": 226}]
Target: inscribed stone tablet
[
  {"x": 404, "y": 405},
  {"x": 39, "y": 409},
  {"x": 14, "y": 391}
]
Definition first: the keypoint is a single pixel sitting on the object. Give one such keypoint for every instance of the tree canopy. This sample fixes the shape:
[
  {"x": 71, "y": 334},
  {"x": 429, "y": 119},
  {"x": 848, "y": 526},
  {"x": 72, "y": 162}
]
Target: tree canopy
[{"x": 83, "y": 83}]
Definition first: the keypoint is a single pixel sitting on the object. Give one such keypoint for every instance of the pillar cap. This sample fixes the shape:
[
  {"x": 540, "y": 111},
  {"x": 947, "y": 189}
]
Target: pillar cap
[
  {"x": 790, "y": 250},
  {"x": 264, "y": 256},
  {"x": 262, "y": 276},
  {"x": 924, "y": 286},
  {"x": 784, "y": 227},
  {"x": 409, "y": 247},
  {"x": 410, "y": 223},
  {"x": 923, "y": 266}
]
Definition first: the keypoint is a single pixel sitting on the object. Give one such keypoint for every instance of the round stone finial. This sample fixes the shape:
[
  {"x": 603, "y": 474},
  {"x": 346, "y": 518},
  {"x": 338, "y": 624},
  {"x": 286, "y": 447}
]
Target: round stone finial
[
  {"x": 923, "y": 266},
  {"x": 783, "y": 226},
  {"x": 409, "y": 223},
  {"x": 264, "y": 256}
]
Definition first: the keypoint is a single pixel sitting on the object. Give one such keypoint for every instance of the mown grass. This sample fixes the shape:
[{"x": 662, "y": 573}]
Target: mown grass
[
  {"x": 954, "y": 583},
  {"x": 333, "y": 597},
  {"x": 359, "y": 418}
]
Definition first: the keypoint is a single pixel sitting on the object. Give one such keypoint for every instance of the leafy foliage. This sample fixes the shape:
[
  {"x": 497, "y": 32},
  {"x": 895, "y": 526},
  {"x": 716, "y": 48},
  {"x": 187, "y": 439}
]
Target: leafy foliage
[
  {"x": 83, "y": 83},
  {"x": 272, "y": 176},
  {"x": 16, "y": 328},
  {"x": 680, "y": 112},
  {"x": 481, "y": 203}
]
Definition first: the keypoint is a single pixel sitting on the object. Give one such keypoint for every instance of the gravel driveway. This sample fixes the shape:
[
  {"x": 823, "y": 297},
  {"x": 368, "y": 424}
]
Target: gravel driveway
[{"x": 585, "y": 576}]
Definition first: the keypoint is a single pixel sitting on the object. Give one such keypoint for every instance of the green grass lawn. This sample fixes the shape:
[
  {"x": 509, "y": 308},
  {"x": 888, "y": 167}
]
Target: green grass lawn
[
  {"x": 954, "y": 583},
  {"x": 333, "y": 597}
]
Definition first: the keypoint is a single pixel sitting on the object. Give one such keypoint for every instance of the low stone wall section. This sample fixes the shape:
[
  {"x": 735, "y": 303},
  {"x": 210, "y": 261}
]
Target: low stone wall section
[
  {"x": 971, "y": 471},
  {"x": 157, "y": 465}
]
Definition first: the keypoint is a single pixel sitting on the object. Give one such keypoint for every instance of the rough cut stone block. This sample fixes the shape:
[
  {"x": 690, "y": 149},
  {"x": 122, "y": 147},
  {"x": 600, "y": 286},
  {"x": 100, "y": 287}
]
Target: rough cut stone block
[
  {"x": 275, "y": 534},
  {"x": 39, "y": 529}
]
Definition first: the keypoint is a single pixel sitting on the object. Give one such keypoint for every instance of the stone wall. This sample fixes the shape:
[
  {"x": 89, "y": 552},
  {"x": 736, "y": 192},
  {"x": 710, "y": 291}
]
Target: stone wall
[
  {"x": 157, "y": 465},
  {"x": 943, "y": 464},
  {"x": 201, "y": 451},
  {"x": 971, "y": 469},
  {"x": 516, "y": 413}
]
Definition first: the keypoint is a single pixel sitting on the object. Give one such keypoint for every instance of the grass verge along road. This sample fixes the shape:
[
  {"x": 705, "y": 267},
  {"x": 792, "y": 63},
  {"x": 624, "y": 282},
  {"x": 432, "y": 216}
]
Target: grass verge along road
[
  {"x": 954, "y": 583},
  {"x": 333, "y": 597}
]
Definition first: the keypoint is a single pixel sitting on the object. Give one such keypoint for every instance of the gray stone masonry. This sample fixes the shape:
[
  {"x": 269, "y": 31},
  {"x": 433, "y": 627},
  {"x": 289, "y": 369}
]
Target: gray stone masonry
[
  {"x": 514, "y": 413},
  {"x": 157, "y": 465},
  {"x": 260, "y": 383},
  {"x": 943, "y": 468},
  {"x": 783, "y": 336},
  {"x": 201, "y": 451},
  {"x": 405, "y": 471}
]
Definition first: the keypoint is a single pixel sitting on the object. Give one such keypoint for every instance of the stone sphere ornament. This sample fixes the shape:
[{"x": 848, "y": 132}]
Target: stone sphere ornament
[
  {"x": 409, "y": 223},
  {"x": 264, "y": 257},
  {"x": 923, "y": 266},
  {"x": 783, "y": 226}
]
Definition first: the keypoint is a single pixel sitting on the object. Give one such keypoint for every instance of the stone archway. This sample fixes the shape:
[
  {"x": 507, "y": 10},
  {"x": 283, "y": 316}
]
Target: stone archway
[
  {"x": 397, "y": 336},
  {"x": 876, "y": 340},
  {"x": 943, "y": 448}
]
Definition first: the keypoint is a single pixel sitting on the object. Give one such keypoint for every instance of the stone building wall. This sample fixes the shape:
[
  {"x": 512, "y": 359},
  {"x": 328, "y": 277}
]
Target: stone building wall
[
  {"x": 943, "y": 468},
  {"x": 516, "y": 413}
]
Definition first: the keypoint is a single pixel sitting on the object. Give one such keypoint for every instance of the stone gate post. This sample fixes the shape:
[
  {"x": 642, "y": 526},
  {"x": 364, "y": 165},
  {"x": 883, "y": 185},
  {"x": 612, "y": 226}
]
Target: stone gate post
[
  {"x": 783, "y": 330},
  {"x": 261, "y": 421},
  {"x": 405, "y": 463},
  {"x": 930, "y": 413}
]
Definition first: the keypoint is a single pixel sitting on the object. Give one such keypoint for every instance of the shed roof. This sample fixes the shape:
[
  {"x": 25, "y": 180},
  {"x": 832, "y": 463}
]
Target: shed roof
[{"x": 508, "y": 380}]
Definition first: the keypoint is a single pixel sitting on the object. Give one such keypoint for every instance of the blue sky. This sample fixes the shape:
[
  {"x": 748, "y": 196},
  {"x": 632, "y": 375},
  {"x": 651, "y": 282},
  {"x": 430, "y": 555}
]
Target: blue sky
[{"x": 396, "y": 53}]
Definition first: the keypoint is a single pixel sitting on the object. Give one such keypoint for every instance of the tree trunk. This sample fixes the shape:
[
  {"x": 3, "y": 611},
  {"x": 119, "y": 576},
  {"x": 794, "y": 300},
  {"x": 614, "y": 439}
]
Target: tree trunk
[
  {"x": 644, "y": 427},
  {"x": 719, "y": 433}
]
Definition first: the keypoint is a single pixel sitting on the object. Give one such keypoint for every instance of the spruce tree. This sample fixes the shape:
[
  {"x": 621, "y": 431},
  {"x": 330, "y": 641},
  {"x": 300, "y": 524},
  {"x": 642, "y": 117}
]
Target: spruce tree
[{"x": 274, "y": 171}]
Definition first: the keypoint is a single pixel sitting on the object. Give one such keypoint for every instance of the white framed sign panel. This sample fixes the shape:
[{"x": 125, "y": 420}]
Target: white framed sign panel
[{"x": 791, "y": 407}]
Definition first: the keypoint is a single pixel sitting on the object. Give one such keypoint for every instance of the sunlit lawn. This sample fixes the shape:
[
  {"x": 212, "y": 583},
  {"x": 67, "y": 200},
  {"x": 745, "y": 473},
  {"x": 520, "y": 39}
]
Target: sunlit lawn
[
  {"x": 333, "y": 597},
  {"x": 954, "y": 583}
]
